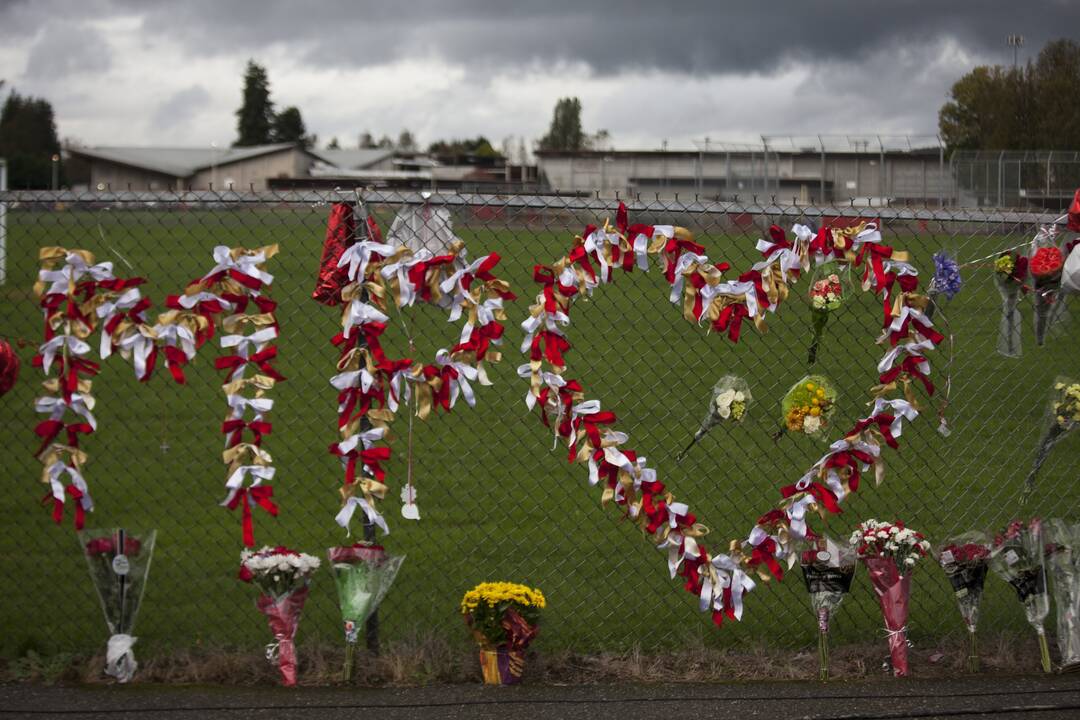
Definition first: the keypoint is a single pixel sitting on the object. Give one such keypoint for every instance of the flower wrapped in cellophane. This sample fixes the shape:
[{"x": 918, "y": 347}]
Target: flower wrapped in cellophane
[
  {"x": 729, "y": 402},
  {"x": 828, "y": 569},
  {"x": 119, "y": 562},
  {"x": 808, "y": 407},
  {"x": 1062, "y": 416},
  {"x": 827, "y": 294},
  {"x": 363, "y": 574},
  {"x": 1010, "y": 275},
  {"x": 282, "y": 576},
  {"x": 965, "y": 560},
  {"x": 1063, "y": 557},
  {"x": 1045, "y": 264},
  {"x": 946, "y": 282},
  {"x": 890, "y": 551},
  {"x": 504, "y": 619},
  {"x": 1018, "y": 558}
]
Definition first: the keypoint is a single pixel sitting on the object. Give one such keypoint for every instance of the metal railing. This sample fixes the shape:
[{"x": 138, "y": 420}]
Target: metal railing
[{"x": 497, "y": 501}]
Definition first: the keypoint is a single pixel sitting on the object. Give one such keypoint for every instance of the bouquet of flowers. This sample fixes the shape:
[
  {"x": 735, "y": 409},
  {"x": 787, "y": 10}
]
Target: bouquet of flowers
[
  {"x": 729, "y": 401},
  {"x": 1063, "y": 556},
  {"x": 808, "y": 407},
  {"x": 828, "y": 569},
  {"x": 1070, "y": 273},
  {"x": 965, "y": 559},
  {"x": 282, "y": 576},
  {"x": 119, "y": 562},
  {"x": 1010, "y": 272},
  {"x": 503, "y": 618},
  {"x": 1018, "y": 558},
  {"x": 890, "y": 551},
  {"x": 1063, "y": 415},
  {"x": 1046, "y": 263},
  {"x": 826, "y": 296},
  {"x": 363, "y": 574},
  {"x": 946, "y": 280}
]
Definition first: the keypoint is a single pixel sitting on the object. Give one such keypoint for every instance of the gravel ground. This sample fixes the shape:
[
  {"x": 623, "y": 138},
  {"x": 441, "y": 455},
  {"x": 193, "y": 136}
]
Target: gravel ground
[{"x": 1034, "y": 697}]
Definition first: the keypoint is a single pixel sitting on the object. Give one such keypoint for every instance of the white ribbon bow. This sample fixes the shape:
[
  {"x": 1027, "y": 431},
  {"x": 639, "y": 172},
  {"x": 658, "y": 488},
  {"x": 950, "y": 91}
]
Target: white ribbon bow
[
  {"x": 56, "y": 406},
  {"x": 733, "y": 287},
  {"x": 49, "y": 349},
  {"x": 138, "y": 345},
  {"x": 344, "y": 516},
  {"x": 366, "y": 438},
  {"x": 236, "y": 480},
  {"x": 359, "y": 255},
  {"x": 243, "y": 343},
  {"x": 174, "y": 335},
  {"x": 189, "y": 301},
  {"x": 406, "y": 290},
  {"x": 361, "y": 312},
  {"x": 729, "y": 575},
  {"x": 57, "y": 470},
  {"x": 239, "y": 403},
  {"x": 246, "y": 264},
  {"x": 465, "y": 373},
  {"x": 110, "y": 308},
  {"x": 684, "y": 262},
  {"x": 913, "y": 349}
]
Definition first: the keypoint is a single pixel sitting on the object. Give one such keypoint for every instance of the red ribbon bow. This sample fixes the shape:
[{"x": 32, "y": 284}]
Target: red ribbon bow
[{"x": 261, "y": 496}]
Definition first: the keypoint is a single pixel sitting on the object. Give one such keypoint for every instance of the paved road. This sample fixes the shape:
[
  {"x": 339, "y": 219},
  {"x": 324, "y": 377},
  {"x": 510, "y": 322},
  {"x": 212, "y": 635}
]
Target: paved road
[{"x": 1034, "y": 698}]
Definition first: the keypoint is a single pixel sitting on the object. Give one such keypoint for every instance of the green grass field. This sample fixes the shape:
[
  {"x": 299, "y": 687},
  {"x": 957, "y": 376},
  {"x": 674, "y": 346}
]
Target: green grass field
[{"x": 497, "y": 502}]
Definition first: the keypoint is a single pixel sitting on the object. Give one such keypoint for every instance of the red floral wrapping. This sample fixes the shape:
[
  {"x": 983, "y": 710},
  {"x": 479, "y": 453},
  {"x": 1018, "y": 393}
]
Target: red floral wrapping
[
  {"x": 284, "y": 618},
  {"x": 9, "y": 366},
  {"x": 340, "y": 234},
  {"x": 894, "y": 592},
  {"x": 1074, "y": 213}
]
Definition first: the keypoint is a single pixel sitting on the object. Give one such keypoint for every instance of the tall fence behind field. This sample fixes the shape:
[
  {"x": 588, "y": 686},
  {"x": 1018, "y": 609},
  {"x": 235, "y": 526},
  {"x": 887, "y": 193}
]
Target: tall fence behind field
[{"x": 497, "y": 501}]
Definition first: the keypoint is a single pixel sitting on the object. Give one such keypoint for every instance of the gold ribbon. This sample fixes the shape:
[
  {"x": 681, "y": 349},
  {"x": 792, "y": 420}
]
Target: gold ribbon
[{"x": 234, "y": 323}]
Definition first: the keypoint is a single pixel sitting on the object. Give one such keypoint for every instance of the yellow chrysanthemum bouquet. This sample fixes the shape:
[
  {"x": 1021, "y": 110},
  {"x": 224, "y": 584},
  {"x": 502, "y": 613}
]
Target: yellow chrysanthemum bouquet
[{"x": 504, "y": 619}]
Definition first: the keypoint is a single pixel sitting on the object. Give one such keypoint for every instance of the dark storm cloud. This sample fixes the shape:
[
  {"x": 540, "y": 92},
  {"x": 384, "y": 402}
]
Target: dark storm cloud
[
  {"x": 67, "y": 48},
  {"x": 691, "y": 36}
]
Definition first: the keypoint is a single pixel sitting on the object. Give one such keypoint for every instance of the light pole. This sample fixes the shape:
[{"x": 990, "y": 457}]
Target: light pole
[
  {"x": 213, "y": 164},
  {"x": 55, "y": 171},
  {"x": 1015, "y": 42}
]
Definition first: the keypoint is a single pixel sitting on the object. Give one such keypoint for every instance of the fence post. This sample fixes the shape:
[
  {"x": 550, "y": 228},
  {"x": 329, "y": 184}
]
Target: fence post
[{"x": 3, "y": 223}]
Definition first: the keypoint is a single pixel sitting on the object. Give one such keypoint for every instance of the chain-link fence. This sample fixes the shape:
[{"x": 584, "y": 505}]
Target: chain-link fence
[{"x": 497, "y": 501}]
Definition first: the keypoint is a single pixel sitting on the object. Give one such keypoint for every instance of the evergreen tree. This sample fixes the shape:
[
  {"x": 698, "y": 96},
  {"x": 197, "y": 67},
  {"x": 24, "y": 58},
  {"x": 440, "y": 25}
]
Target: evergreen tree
[
  {"x": 565, "y": 132},
  {"x": 406, "y": 141},
  {"x": 28, "y": 141},
  {"x": 255, "y": 119},
  {"x": 333, "y": 144},
  {"x": 367, "y": 142},
  {"x": 289, "y": 127}
]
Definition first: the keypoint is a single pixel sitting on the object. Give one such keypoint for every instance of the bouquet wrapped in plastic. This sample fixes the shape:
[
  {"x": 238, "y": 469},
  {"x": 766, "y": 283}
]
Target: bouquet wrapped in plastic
[
  {"x": 729, "y": 402},
  {"x": 1018, "y": 558},
  {"x": 1063, "y": 557},
  {"x": 890, "y": 551},
  {"x": 1070, "y": 272},
  {"x": 1046, "y": 263},
  {"x": 1062, "y": 416},
  {"x": 808, "y": 407},
  {"x": 965, "y": 560},
  {"x": 946, "y": 281},
  {"x": 119, "y": 561},
  {"x": 282, "y": 576},
  {"x": 827, "y": 294},
  {"x": 363, "y": 574},
  {"x": 1010, "y": 274},
  {"x": 828, "y": 569},
  {"x": 504, "y": 619}
]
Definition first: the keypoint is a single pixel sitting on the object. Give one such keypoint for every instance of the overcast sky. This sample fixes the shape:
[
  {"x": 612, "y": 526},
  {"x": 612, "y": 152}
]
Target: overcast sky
[{"x": 126, "y": 72}]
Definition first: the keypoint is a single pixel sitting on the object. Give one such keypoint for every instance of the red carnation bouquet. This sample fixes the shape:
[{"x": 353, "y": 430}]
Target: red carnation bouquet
[
  {"x": 1045, "y": 264},
  {"x": 119, "y": 563},
  {"x": 890, "y": 551},
  {"x": 965, "y": 560}
]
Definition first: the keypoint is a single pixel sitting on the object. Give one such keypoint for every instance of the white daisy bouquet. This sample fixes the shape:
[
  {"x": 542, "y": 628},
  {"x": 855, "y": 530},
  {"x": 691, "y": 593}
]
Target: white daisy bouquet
[
  {"x": 890, "y": 551},
  {"x": 282, "y": 576},
  {"x": 728, "y": 403}
]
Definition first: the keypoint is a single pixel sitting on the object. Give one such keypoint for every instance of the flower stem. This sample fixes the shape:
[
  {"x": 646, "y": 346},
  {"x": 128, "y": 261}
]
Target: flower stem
[
  {"x": 973, "y": 652},
  {"x": 347, "y": 673},
  {"x": 1044, "y": 650}
]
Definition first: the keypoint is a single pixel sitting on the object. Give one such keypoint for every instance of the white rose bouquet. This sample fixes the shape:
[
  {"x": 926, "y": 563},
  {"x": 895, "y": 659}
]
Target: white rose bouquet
[
  {"x": 890, "y": 551},
  {"x": 728, "y": 403},
  {"x": 283, "y": 576}
]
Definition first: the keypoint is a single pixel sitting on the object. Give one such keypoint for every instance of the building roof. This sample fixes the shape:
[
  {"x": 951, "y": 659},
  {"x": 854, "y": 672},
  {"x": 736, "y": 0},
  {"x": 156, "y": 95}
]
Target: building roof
[
  {"x": 356, "y": 159},
  {"x": 179, "y": 162}
]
